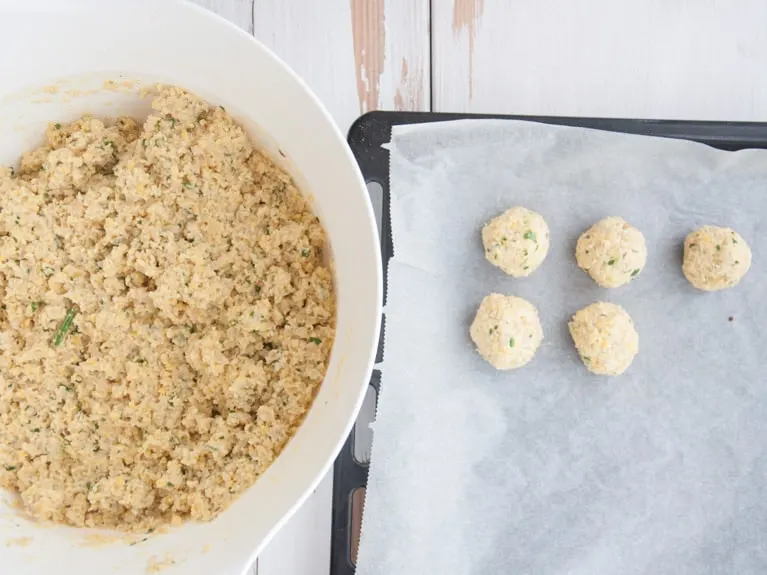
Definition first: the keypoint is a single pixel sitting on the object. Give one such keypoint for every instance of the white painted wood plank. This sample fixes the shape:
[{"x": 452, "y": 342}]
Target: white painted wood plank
[
  {"x": 315, "y": 39},
  {"x": 356, "y": 55},
  {"x": 406, "y": 75},
  {"x": 657, "y": 58},
  {"x": 238, "y": 11}
]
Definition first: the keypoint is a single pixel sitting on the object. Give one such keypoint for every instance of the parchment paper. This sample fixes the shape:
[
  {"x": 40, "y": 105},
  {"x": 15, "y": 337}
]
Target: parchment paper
[{"x": 548, "y": 469}]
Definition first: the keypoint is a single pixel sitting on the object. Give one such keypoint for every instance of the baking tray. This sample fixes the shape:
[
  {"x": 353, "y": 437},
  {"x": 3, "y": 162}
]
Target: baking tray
[{"x": 366, "y": 138}]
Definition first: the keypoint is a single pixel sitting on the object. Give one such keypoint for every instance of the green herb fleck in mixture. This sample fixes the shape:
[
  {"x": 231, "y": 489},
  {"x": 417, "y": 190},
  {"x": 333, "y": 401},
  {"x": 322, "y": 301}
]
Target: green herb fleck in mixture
[
  {"x": 65, "y": 325},
  {"x": 316, "y": 340},
  {"x": 511, "y": 342},
  {"x": 529, "y": 235}
]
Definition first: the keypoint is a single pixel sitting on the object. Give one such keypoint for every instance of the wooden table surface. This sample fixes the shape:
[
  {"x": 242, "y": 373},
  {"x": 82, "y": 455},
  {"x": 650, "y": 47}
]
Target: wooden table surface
[{"x": 690, "y": 59}]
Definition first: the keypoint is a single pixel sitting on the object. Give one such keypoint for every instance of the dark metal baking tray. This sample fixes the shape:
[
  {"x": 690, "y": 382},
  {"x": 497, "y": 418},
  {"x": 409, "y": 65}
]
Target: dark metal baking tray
[{"x": 366, "y": 138}]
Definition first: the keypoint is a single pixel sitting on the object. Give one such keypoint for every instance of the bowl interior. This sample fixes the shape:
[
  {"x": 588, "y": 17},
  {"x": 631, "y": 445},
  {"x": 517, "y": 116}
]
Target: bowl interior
[{"x": 91, "y": 56}]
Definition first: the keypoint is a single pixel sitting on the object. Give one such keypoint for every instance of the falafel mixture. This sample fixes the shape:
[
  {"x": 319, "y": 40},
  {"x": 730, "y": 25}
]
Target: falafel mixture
[{"x": 166, "y": 317}]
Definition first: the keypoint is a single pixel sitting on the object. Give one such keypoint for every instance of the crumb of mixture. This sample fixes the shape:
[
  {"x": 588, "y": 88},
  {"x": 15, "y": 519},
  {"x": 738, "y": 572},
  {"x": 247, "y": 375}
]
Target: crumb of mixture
[
  {"x": 18, "y": 542},
  {"x": 103, "y": 539},
  {"x": 165, "y": 317},
  {"x": 157, "y": 565}
]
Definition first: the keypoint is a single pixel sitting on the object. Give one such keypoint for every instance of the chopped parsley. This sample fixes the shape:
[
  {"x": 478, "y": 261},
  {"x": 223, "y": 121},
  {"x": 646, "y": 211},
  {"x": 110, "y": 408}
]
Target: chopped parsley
[
  {"x": 10, "y": 467},
  {"x": 315, "y": 340},
  {"x": 57, "y": 126},
  {"x": 635, "y": 272},
  {"x": 529, "y": 235},
  {"x": 34, "y": 305},
  {"x": 65, "y": 325},
  {"x": 511, "y": 342},
  {"x": 139, "y": 541},
  {"x": 305, "y": 253},
  {"x": 718, "y": 247},
  {"x": 611, "y": 262}
]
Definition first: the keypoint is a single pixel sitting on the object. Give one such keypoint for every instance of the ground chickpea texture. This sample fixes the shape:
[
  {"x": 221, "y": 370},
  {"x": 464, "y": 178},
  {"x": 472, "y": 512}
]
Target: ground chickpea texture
[{"x": 166, "y": 317}]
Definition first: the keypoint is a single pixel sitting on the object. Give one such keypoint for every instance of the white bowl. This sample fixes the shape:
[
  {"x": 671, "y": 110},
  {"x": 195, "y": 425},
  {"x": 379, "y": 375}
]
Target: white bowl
[{"x": 56, "y": 57}]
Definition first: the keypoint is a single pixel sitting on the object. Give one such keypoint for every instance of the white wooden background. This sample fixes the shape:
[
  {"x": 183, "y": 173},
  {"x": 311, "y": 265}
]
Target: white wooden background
[{"x": 694, "y": 59}]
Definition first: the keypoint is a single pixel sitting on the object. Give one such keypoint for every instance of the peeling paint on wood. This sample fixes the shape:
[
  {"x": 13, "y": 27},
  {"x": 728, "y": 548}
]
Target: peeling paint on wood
[
  {"x": 466, "y": 15},
  {"x": 409, "y": 94},
  {"x": 368, "y": 31}
]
